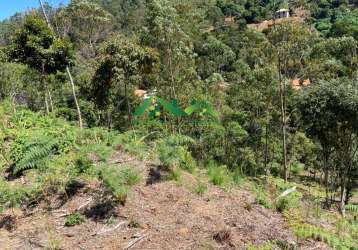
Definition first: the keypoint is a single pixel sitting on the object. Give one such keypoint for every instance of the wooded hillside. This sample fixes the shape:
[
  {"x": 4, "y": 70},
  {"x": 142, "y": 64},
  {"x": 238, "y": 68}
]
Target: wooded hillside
[{"x": 220, "y": 91}]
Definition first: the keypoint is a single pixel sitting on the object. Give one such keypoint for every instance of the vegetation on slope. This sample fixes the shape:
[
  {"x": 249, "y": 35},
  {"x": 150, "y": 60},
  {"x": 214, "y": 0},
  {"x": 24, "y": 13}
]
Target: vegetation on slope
[{"x": 212, "y": 94}]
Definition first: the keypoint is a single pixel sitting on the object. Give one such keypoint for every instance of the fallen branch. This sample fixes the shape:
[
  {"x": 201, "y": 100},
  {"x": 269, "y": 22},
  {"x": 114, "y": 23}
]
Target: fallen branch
[
  {"x": 66, "y": 213},
  {"x": 135, "y": 241},
  {"x": 122, "y": 161},
  {"x": 287, "y": 192},
  {"x": 110, "y": 229},
  {"x": 84, "y": 204}
]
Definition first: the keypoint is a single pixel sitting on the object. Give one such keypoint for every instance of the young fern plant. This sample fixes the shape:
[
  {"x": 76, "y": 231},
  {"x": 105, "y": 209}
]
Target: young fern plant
[
  {"x": 36, "y": 155},
  {"x": 351, "y": 207}
]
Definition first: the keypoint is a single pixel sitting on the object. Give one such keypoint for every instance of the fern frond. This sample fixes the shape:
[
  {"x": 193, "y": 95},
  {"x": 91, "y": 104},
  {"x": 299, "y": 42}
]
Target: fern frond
[
  {"x": 352, "y": 208},
  {"x": 36, "y": 155}
]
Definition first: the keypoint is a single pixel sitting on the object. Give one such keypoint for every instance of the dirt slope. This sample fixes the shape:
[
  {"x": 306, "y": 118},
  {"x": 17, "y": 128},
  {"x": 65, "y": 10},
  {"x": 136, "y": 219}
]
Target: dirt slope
[{"x": 158, "y": 214}]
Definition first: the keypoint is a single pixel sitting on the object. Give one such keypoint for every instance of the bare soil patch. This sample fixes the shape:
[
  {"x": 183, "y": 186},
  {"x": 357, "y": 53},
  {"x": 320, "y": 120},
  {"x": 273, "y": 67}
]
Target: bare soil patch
[{"x": 158, "y": 214}]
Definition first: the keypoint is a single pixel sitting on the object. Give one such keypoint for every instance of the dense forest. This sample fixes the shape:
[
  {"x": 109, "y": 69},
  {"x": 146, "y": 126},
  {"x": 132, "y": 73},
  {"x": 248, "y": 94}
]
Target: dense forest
[{"x": 223, "y": 90}]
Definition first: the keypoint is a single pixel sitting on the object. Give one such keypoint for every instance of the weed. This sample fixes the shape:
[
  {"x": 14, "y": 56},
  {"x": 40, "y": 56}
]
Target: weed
[
  {"x": 287, "y": 202},
  {"x": 173, "y": 153},
  {"x": 237, "y": 177},
  {"x": 134, "y": 224},
  {"x": 218, "y": 175},
  {"x": 119, "y": 179},
  {"x": 175, "y": 175},
  {"x": 74, "y": 219},
  {"x": 200, "y": 188},
  {"x": 262, "y": 200}
]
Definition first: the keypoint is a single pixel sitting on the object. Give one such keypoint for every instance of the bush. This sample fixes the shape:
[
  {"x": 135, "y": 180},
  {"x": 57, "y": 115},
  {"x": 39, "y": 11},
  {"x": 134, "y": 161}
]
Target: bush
[
  {"x": 287, "y": 202},
  {"x": 13, "y": 195},
  {"x": 74, "y": 219},
  {"x": 119, "y": 179},
  {"x": 132, "y": 143},
  {"x": 237, "y": 177},
  {"x": 218, "y": 175},
  {"x": 262, "y": 200},
  {"x": 297, "y": 168},
  {"x": 173, "y": 152},
  {"x": 175, "y": 174},
  {"x": 201, "y": 188}
]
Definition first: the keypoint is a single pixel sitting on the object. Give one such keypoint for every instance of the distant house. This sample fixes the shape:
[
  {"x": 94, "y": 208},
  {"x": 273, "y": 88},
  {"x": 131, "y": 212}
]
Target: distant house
[
  {"x": 299, "y": 83},
  {"x": 282, "y": 13},
  {"x": 145, "y": 94},
  {"x": 229, "y": 21}
]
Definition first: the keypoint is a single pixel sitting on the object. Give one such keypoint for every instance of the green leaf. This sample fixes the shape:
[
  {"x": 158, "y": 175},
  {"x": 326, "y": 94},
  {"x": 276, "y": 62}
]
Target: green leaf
[
  {"x": 144, "y": 107},
  {"x": 172, "y": 108},
  {"x": 192, "y": 108}
]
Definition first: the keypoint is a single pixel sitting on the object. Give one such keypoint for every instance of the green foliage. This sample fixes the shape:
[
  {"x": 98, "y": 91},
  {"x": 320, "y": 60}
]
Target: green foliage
[
  {"x": 200, "y": 188},
  {"x": 100, "y": 151},
  {"x": 218, "y": 175},
  {"x": 317, "y": 233},
  {"x": 175, "y": 175},
  {"x": 84, "y": 21},
  {"x": 351, "y": 207},
  {"x": 262, "y": 198},
  {"x": 133, "y": 143},
  {"x": 181, "y": 51},
  {"x": 119, "y": 179},
  {"x": 34, "y": 154},
  {"x": 123, "y": 63},
  {"x": 13, "y": 196},
  {"x": 35, "y": 45},
  {"x": 74, "y": 219},
  {"x": 173, "y": 152}
]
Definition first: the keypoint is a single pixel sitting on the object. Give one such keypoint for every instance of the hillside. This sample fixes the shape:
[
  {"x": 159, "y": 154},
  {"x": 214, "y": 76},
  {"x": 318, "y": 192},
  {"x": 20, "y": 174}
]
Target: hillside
[
  {"x": 199, "y": 209},
  {"x": 158, "y": 124}
]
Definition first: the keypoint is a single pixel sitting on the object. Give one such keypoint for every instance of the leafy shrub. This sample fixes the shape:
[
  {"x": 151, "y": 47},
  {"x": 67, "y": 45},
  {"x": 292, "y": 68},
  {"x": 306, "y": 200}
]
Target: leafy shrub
[
  {"x": 132, "y": 143},
  {"x": 218, "y": 175},
  {"x": 297, "y": 168},
  {"x": 237, "y": 177},
  {"x": 119, "y": 179},
  {"x": 175, "y": 174},
  {"x": 200, "y": 188},
  {"x": 289, "y": 201},
  {"x": 282, "y": 204},
  {"x": 33, "y": 153},
  {"x": 13, "y": 195},
  {"x": 173, "y": 153},
  {"x": 74, "y": 219},
  {"x": 262, "y": 200},
  {"x": 101, "y": 151},
  {"x": 83, "y": 163}
]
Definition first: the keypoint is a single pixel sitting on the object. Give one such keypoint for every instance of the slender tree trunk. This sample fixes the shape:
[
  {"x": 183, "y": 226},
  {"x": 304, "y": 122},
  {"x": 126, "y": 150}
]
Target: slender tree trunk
[
  {"x": 50, "y": 99},
  {"x": 44, "y": 13},
  {"x": 283, "y": 116},
  {"x": 46, "y": 104},
  {"x": 343, "y": 195},
  {"x": 67, "y": 71},
  {"x": 267, "y": 170},
  {"x": 326, "y": 174},
  {"x": 80, "y": 123}
]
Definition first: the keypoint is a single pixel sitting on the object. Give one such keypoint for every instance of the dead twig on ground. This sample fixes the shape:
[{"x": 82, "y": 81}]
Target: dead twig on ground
[
  {"x": 135, "y": 241},
  {"x": 110, "y": 229},
  {"x": 123, "y": 161}
]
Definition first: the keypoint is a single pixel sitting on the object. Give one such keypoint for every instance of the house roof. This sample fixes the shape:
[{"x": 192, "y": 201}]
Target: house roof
[{"x": 282, "y": 10}]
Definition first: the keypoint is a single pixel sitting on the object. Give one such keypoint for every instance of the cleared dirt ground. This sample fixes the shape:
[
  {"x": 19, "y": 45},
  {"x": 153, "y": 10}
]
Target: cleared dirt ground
[{"x": 158, "y": 214}]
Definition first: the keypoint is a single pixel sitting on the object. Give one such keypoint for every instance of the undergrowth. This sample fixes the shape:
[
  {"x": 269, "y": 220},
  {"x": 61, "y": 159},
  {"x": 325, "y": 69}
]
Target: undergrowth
[
  {"x": 74, "y": 219},
  {"x": 50, "y": 154}
]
